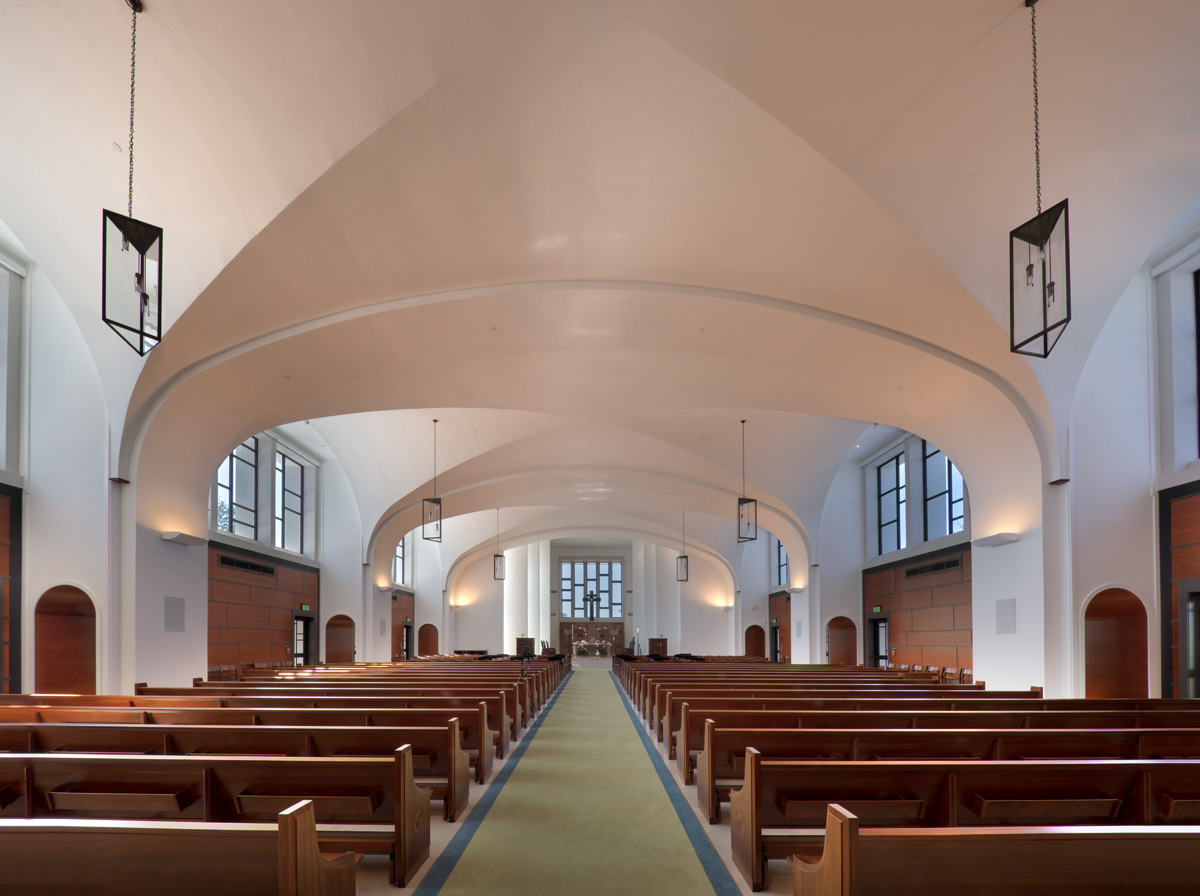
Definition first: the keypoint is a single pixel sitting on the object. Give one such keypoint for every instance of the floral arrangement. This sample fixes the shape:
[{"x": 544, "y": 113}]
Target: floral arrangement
[
  {"x": 602, "y": 648},
  {"x": 581, "y": 647}
]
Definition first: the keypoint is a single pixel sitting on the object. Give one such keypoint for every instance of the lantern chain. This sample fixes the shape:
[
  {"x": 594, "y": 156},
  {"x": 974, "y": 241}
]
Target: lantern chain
[
  {"x": 132, "y": 82},
  {"x": 1037, "y": 147}
]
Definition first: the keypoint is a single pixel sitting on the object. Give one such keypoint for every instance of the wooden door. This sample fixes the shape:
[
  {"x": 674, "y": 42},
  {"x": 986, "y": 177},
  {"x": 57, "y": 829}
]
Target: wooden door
[
  {"x": 64, "y": 642},
  {"x": 339, "y": 640}
]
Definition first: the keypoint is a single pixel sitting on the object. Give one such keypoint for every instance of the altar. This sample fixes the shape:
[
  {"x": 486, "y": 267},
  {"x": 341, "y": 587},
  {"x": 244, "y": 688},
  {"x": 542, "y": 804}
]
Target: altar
[{"x": 584, "y": 638}]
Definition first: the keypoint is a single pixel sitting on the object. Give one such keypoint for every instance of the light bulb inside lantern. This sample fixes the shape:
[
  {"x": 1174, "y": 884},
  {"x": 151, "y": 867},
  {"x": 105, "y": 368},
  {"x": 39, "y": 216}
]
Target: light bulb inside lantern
[{"x": 1029, "y": 275}]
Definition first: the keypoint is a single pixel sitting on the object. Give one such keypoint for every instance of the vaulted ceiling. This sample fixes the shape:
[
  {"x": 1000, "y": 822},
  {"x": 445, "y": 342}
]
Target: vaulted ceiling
[{"x": 590, "y": 238}]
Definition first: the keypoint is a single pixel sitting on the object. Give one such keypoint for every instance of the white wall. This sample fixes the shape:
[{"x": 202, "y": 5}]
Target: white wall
[
  {"x": 836, "y": 584},
  {"x": 706, "y": 607},
  {"x": 346, "y": 586},
  {"x": 66, "y": 500},
  {"x": 429, "y": 605},
  {"x": 481, "y": 618},
  {"x": 164, "y": 569},
  {"x": 1112, "y": 513}
]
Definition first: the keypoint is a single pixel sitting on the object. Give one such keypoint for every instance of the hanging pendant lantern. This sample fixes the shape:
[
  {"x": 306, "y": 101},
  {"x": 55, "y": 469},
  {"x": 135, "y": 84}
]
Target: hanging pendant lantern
[
  {"x": 131, "y": 255},
  {"x": 681, "y": 562},
  {"x": 747, "y": 508},
  {"x": 431, "y": 508},
  {"x": 498, "y": 558},
  {"x": 1039, "y": 259}
]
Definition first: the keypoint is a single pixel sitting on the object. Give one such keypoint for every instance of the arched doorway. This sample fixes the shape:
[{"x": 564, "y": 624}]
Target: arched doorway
[
  {"x": 842, "y": 642},
  {"x": 1114, "y": 648},
  {"x": 64, "y": 642},
  {"x": 427, "y": 640},
  {"x": 755, "y": 641},
  {"x": 339, "y": 640}
]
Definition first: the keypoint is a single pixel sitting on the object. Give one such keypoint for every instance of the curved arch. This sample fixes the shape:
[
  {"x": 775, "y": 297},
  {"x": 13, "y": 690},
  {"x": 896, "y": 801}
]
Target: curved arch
[
  {"x": 843, "y": 641},
  {"x": 466, "y": 558},
  {"x": 754, "y": 640},
  {"x": 143, "y": 413},
  {"x": 65, "y": 641},
  {"x": 1115, "y": 645},
  {"x": 339, "y": 639}
]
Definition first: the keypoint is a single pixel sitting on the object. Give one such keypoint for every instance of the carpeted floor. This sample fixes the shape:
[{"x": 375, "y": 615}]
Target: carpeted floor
[{"x": 581, "y": 807}]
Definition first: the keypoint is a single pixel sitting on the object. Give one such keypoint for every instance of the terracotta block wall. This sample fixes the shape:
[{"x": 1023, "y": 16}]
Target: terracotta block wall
[
  {"x": 780, "y": 607},
  {"x": 929, "y": 616},
  {"x": 1180, "y": 534},
  {"x": 250, "y": 612},
  {"x": 403, "y": 608}
]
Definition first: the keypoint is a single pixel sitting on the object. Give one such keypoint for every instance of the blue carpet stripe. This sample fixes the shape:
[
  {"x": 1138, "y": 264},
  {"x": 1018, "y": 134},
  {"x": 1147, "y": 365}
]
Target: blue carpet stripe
[
  {"x": 437, "y": 875},
  {"x": 718, "y": 874}
]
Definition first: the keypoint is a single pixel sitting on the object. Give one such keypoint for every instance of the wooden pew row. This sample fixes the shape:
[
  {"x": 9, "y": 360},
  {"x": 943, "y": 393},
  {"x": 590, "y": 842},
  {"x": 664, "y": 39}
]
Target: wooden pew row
[
  {"x": 666, "y": 713},
  {"x": 373, "y": 712},
  {"x": 362, "y": 804},
  {"x": 529, "y": 690},
  {"x": 547, "y": 676},
  {"x": 652, "y": 686},
  {"x": 439, "y": 763},
  {"x": 477, "y": 738},
  {"x": 516, "y": 704},
  {"x": 657, "y": 691},
  {"x": 918, "y": 714},
  {"x": 642, "y": 693},
  {"x": 720, "y": 765},
  {"x": 628, "y": 671},
  {"x": 1083, "y": 860},
  {"x": 636, "y": 676},
  {"x": 779, "y": 809},
  {"x": 149, "y": 858},
  {"x": 532, "y": 691}
]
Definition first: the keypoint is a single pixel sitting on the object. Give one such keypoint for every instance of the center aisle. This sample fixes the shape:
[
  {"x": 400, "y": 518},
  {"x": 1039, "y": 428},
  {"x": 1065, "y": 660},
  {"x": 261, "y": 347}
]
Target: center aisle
[{"x": 585, "y": 810}]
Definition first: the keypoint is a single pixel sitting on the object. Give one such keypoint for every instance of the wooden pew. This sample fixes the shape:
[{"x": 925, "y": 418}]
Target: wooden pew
[
  {"x": 720, "y": 765},
  {"x": 780, "y": 807},
  {"x": 515, "y": 703},
  {"x": 656, "y": 690},
  {"x": 669, "y": 705},
  {"x": 1085, "y": 860},
  {"x": 439, "y": 763},
  {"x": 691, "y": 719},
  {"x": 149, "y": 858},
  {"x": 282, "y": 711},
  {"x": 366, "y": 804}
]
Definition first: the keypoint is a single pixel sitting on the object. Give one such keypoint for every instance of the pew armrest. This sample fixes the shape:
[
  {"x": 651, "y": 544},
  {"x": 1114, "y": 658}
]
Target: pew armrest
[{"x": 303, "y": 870}]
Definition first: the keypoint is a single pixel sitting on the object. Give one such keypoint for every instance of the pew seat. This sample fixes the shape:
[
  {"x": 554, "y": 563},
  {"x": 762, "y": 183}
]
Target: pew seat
[
  {"x": 782, "y": 805},
  {"x": 69, "y": 856},
  {"x": 1102, "y": 860}
]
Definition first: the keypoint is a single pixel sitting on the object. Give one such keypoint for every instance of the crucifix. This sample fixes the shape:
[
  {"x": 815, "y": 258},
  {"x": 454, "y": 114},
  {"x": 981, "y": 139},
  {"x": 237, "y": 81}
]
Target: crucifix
[{"x": 591, "y": 605}]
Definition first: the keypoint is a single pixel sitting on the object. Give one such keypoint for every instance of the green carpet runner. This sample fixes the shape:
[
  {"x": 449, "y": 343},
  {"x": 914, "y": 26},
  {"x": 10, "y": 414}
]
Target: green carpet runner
[{"x": 585, "y": 810}]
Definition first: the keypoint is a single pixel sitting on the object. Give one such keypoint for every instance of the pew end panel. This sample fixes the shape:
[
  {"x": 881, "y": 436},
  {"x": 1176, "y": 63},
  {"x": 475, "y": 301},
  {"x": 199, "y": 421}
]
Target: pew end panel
[
  {"x": 148, "y": 858},
  {"x": 411, "y": 820},
  {"x": 1086, "y": 860}
]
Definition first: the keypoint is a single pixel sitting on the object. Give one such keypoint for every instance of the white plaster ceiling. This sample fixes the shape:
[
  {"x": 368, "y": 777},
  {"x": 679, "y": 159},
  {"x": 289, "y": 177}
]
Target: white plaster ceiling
[{"x": 592, "y": 237}]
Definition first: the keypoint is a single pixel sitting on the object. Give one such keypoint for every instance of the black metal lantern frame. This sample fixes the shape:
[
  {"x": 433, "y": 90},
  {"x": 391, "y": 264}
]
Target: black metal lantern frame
[
  {"x": 431, "y": 519},
  {"x": 131, "y": 280},
  {"x": 1039, "y": 307},
  {"x": 747, "y": 519},
  {"x": 681, "y": 568}
]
